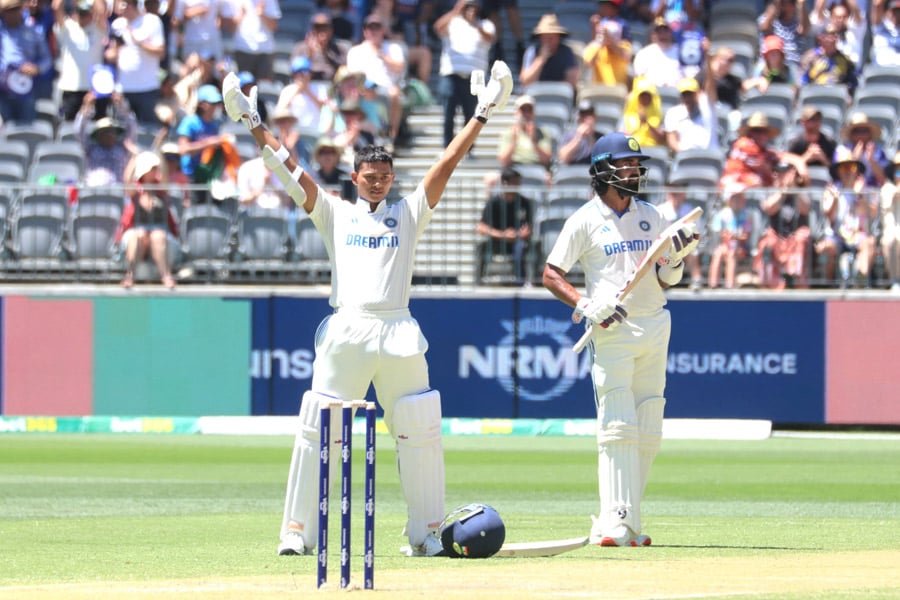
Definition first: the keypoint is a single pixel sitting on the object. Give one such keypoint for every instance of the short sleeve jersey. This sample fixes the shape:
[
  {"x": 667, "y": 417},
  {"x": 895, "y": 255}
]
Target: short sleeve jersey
[
  {"x": 372, "y": 253},
  {"x": 609, "y": 247}
]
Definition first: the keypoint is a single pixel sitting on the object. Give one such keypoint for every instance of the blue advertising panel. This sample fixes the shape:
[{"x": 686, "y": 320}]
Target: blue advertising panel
[
  {"x": 747, "y": 360},
  {"x": 511, "y": 357},
  {"x": 282, "y": 351},
  {"x": 481, "y": 371}
]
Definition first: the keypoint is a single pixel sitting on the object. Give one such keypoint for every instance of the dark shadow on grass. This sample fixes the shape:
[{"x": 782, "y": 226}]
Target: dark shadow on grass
[{"x": 704, "y": 547}]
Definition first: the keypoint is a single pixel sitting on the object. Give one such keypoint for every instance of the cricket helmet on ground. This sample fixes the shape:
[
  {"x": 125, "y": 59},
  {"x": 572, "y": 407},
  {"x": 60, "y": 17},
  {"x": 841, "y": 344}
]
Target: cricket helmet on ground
[{"x": 472, "y": 531}]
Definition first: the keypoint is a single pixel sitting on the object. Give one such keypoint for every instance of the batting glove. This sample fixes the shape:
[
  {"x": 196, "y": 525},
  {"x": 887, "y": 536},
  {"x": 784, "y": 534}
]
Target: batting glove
[
  {"x": 606, "y": 314},
  {"x": 684, "y": 241},
  {"x": 669, "y": 270},
  {"x": 239, "y": 106},
  {"x": 495, "y": 93}
]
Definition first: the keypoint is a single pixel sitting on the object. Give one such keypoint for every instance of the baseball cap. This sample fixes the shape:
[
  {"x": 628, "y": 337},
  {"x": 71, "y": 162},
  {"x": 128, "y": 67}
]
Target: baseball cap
[
  {"x": 144, "y": 163},
  {"x": 301, "y": 64},
  {"x": 688, "y": 84},
  {"x": 84, "y": 5},
  {"x": 209, "y": 93},
  {"x": 246, "y": 77},
  {"x": 169, "y": 149},
  {"x": 586, "y": 106},
  {"x": 373, "y": 20},
  {"x": 772, "y": 43}
]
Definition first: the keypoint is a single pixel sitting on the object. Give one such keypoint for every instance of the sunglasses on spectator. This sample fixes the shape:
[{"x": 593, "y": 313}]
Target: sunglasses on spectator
[{"x": 859, "y": 131}]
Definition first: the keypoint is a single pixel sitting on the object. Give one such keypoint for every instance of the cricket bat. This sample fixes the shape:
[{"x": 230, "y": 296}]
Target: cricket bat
[
  {"x": 536, "y": 549},
  {"x": 647, "y": 265}
]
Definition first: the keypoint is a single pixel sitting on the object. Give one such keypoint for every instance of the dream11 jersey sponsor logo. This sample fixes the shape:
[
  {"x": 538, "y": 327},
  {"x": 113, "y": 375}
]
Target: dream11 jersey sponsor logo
[{"x": 544, "y": 368}]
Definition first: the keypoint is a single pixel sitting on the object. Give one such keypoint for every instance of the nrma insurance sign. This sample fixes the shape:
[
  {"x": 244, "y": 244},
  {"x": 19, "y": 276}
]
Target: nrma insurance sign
[{"x": 541, "y": 367}]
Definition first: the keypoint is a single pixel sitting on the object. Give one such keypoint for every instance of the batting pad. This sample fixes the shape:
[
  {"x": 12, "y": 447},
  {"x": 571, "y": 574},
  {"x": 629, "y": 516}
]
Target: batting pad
[
  {"x": 650, "y": 421},
  {"x": 301, "y": 501},
  {"x": 420, "y": 457},
  {"x": 618, "y": 466}
]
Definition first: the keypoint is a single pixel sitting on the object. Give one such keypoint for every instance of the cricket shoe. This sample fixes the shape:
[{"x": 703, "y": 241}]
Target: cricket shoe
[
  {"x": 620, "y": 535},
  {"x": 430, "y": 547},
  {"x": 292, "y": 545}
]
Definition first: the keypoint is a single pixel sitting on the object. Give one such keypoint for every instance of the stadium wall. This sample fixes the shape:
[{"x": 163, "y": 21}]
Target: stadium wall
[{"x": 813, "y": 361}]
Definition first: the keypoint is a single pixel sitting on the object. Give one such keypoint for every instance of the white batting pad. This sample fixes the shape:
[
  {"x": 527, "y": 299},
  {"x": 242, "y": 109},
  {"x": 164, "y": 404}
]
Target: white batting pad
[
  {"x": 301, "y": 500},
  {"x": 618, "y": 466},
  {"x": 420, "y": 457},
  {"x": 650, "y": 424}
]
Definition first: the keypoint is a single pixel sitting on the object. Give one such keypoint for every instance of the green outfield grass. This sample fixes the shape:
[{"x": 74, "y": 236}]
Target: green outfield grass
[{"x": 101, "y": 509}]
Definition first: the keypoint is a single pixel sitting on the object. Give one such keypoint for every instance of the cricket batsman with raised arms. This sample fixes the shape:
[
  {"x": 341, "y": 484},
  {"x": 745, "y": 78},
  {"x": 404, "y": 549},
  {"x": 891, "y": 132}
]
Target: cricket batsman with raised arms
[
  {"x": 370, "y": 338},
  {"x": 608, "y": 236}
]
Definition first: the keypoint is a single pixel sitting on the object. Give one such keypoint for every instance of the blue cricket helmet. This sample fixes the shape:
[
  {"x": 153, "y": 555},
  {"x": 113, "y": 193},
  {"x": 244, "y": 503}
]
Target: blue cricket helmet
[
  {"x": 608, "y": 149},
  {"x": 472, "y": 531},
  {"x": 616, "y": 146}
]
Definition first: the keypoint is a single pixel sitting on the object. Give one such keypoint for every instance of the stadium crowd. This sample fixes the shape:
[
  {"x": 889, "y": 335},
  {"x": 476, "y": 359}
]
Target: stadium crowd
[{"x": 780, "y": 119}]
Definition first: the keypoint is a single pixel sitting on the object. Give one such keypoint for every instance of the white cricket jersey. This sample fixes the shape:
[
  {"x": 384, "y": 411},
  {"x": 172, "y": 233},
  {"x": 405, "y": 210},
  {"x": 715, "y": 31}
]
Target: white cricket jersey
[
  {"x": 372, "y": 253},
  {"x": 609, "y": 247}
]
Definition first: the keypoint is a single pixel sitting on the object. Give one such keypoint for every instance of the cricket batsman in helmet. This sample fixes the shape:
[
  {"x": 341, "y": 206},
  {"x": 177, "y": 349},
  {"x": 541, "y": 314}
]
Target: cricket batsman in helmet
[{"x": 608, "y": 237}]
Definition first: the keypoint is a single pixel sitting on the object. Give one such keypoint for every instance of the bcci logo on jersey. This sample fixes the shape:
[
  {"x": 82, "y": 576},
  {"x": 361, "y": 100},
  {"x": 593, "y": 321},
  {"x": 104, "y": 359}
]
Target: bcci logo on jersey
[{"x": 541, "y": 367}]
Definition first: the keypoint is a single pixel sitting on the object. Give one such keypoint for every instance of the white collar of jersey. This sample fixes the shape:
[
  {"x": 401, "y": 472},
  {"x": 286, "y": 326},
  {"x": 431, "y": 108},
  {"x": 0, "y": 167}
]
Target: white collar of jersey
[
  {"x": 364, "y": 205},
  {"x": 607, "y": 211}
]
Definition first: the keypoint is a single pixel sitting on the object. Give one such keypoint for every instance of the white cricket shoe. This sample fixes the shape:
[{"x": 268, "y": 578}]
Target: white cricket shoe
[
  {"x": 430, "y": 547},
  {"x": 620, "y": 535},
  {"x": 292, "y": 545}
]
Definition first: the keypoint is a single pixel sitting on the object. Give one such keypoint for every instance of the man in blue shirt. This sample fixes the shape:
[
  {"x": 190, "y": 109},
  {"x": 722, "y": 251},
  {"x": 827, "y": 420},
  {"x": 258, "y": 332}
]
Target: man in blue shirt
[
  {"x": 24, "y": 55},
  {"x": 199, "y": 132}
]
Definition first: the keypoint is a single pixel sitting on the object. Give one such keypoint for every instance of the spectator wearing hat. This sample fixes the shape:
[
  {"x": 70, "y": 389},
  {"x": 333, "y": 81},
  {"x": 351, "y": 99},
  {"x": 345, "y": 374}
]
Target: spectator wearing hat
[
  {"x": 79, "y": 38},
  {"x": 108, "y": 143},
  {"x": 642, "y": 118},
  {"x": 850, "y": 218},
  {"x": 525, "y": 142},
  {"x": 383, "y": 62},
  {"x": 848, "y": 20},
  {"x": 752, "y": 161},
  {"x": 203, "y": 149},
  {"x": 137, "y": 46},
  {"x": 607, "y": 57},
  {"x": 781, "y": 253},
  {"x": 789, "y": 20},
  {"x": 549, "y": 59},
  {"x": 307, "y": 104},
  {"x": 576, "y": 143},
  {"x": 25, "y": 56},
  {"x": 327, "y": 162},
  {"x": 890, "y": 224},
  {"x": 355, "y": 88},
  {"x": 146, "y": 221},
  {"x": 326, "y": 53},
  {"x": 812, "y": 145},
  {"x": 862, "y": 138},
  {"x": 659, "y": 60},
  {"x": 692, "y": 123},
  {"x": 255, "y": 24},
  {"x": 465, "y": 43},
  {"x": 355, "y": 135},
  {"x": 201, "y": 23},
  {"x": 885, "y": 50},
  {"x": 826, "y": 65},
  {"x": 284, "y": 122},
  {"x": 733, "y": 225},
  {"x": 771, "y": 67}
]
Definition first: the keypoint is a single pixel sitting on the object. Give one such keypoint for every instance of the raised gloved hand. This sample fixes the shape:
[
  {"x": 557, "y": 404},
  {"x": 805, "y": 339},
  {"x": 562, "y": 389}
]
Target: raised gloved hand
[
  {"x": 495, "y": 93},
  {"x": 605, "y": 313},
  {"x": 239, "y": 106},
  {"x": 684, "y": 241}
]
